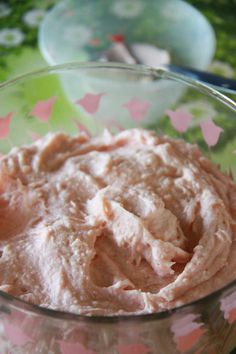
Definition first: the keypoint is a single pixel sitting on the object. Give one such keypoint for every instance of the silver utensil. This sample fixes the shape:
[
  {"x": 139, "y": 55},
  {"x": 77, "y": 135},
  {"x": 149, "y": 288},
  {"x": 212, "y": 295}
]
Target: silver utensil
[{"x": 142, "y": 53}]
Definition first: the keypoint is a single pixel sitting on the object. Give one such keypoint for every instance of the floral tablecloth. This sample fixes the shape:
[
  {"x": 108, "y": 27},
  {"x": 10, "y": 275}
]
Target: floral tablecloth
[
  {"x": 19, "y": 21},
  {"x": 19, "y": 24}
]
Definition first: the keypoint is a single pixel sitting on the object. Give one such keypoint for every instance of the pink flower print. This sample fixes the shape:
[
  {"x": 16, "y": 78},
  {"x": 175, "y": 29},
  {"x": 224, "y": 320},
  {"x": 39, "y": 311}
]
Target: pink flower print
[
  {"x": 228, "y": 307},
  {"x": 187, "y": 342},
  {"x": 21, "y": 328},
  {"x": 133, "y": 348},
  {"x": 137, "y": 108},
  {"x": 210, "y": 131},
  {"x": 43, "y": 109},
  {"x": 73, "y": 348},
  {"x": 112, "y": 124},
  {"x": 35, "y": 136},
  {"x": 180, "y": 119},
  {"x": 90, "y": 102},
  {"x": 5, "y": 125},
  {"x": 81, "y": 128},
  {"x": 187, "y": 332},
  {"x": 15, "y": 335},
  {"x": 232, "y": 316}
]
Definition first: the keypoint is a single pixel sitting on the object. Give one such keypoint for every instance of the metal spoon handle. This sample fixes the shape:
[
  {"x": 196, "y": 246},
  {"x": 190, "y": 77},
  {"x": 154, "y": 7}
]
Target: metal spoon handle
[
  {"x": 220, "y": 83},
  {"x": 122, "y": 52}
]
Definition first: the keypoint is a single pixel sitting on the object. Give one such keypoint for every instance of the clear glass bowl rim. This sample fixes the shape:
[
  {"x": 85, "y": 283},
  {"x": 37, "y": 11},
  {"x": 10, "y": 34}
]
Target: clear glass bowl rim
[{"x": 161, "y": 73}]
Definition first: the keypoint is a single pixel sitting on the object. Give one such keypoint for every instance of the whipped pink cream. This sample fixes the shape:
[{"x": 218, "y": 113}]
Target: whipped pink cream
[{"x": 130, "y": 223}]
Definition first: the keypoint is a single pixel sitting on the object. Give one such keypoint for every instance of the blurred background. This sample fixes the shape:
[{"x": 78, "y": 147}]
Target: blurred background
[{"x": 20, "y": 21}]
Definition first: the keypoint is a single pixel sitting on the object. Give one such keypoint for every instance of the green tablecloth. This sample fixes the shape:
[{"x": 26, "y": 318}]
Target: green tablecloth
[{"x": 19, "y": 22}]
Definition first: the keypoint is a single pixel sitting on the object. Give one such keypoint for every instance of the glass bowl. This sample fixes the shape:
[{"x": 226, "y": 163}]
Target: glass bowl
[
  {"x": 36, "y": 103},
  {"x": 66, "y": 33}
]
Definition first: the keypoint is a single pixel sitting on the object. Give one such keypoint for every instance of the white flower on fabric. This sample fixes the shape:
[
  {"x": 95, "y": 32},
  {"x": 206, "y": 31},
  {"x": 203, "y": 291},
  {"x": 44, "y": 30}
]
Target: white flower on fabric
[
  {"x": 78, "y": 35},
  {"x": 11, "y": 37},
  {"x": 33, "y": 17},
  {"x": 127, "y": 8},
  {"x": 4, "y": 10},
  {"x": 199, "y": 109},
  {"x": 221, "y": 68}
]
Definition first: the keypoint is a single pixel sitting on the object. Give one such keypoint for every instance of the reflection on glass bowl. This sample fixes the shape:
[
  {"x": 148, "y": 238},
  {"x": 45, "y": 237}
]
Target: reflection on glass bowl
[{"x": 35, "y": 104}]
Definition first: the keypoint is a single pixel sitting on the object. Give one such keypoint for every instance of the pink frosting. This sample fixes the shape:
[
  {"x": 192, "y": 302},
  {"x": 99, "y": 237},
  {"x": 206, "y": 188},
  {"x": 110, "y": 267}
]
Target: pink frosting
[{"x": 130, "y": 223}]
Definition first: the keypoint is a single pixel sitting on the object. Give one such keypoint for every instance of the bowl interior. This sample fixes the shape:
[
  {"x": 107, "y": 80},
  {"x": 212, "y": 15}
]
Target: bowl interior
[
  {"x": 38, "y": 103},
  {"x": 126, "y": 97}
]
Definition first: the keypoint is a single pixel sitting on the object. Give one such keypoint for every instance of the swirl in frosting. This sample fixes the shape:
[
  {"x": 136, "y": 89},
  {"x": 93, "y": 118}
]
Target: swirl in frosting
[{"x": 114, "y": 224}]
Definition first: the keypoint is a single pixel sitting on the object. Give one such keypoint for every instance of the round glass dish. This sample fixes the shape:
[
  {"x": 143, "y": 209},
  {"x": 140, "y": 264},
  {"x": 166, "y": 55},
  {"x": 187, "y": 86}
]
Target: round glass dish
[
  {"x": 83, "y": 30},
  {"x": 115, "y": 97}
]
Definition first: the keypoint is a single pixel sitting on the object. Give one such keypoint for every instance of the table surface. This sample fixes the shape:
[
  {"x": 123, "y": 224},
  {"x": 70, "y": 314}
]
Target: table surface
[{"x": 19, "y": 51}]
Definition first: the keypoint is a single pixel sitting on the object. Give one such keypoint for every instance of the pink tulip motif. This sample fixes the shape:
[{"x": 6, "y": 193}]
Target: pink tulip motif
[
  {"x": 81, "y": 128},
  {"x": 228, "y": 307},
  {"x": 90, "y": 102},
  {"x": 15, "y": 335},
  {"x": 35, "y": 136},
  {"x": 137, "y": 108},
  {"x": 43, "y": 109},
  {"x": 74, "y": 348},
  {"x": 187, "y": 332},
  {"x": 134, "y": 349},
  {"x": 180, "y": 119},
  {"x": 13, "y": 330},
  {"x": 210, "y": 131},
  {"x": 5, "y": 125},
  {"x": 112, "y": 124}
]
